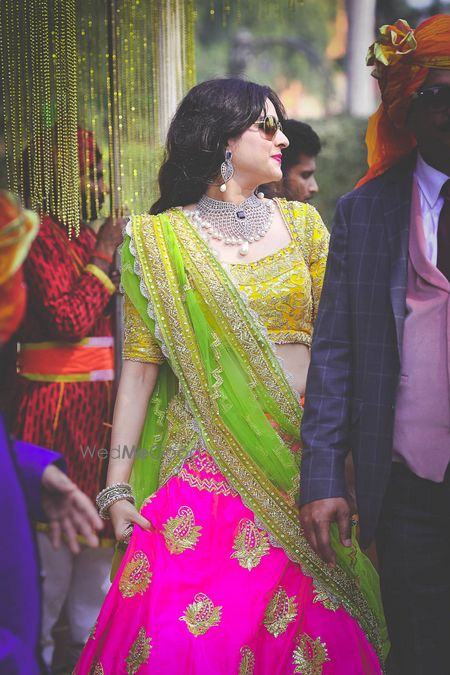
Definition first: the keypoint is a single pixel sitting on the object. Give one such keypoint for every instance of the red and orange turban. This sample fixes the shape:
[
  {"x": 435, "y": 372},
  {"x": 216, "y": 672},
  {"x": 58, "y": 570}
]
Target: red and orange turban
[
  {"x": 17, "y": 231},
  {"x": 402, "y": 58}
]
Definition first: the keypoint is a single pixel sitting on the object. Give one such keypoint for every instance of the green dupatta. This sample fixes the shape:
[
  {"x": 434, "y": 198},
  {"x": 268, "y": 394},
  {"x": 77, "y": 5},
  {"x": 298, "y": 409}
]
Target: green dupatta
[{"x": 222, "y": 383}]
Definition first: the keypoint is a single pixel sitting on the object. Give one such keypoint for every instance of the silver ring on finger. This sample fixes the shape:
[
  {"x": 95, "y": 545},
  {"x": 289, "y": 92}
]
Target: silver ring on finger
[{"x": 126, "y": 534}]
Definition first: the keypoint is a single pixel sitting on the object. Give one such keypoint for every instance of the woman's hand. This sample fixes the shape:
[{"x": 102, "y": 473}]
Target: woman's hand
[{"x": 123, "y": 517}]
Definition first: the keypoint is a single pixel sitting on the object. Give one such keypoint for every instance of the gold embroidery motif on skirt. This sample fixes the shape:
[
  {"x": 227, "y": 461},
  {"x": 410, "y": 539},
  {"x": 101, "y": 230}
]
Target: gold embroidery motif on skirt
[
  {"x": 250, "y": 544},
  {"x": 280, "y": 612},
  {"x": 136, "y": 576},
  {"x": 97, "y": 669},
  {"x": 181, "y": 533},
  {"x": 309, "y": 655},
  {"x": 139, "y": 652},
  {"x": 214, "y": 481},
  {"x": 247, "y": 664},
  {"x": 321, "y": 596},
  {"x": 201, "y": 615},
  {"x": 146, "y": 501}
]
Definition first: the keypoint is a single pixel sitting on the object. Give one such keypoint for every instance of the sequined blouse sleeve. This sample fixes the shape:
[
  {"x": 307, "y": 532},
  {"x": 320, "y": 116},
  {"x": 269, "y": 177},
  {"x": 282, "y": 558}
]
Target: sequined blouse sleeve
[
  {"x": 318, "y": 260},
  {"x": 138, "y": 342}
]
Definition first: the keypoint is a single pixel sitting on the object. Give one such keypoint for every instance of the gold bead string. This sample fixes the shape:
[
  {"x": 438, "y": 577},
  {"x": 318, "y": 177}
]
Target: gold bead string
[
  {"x": 92, "y": 83},
  {"x": 113, "y": 135},
  {"x": 190, "y": 18},
  {"x": 42, "y": 63},
  {"x": 230, "y": 11},
  {"x": 67, "y": 167},
  {"x": 11, "y": 92},
  {"x": 55, "y": 50},
  {"x": 111, "y": 163},
  {"x": 39, "y": 51}
]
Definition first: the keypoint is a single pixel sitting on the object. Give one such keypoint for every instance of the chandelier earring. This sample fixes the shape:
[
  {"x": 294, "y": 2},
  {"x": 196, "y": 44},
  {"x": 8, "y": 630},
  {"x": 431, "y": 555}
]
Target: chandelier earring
[{"x": 226, "y": 170}]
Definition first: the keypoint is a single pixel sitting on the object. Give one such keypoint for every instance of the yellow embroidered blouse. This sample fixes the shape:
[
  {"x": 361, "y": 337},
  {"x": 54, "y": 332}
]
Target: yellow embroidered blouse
[{"x": 283, "y": 288}]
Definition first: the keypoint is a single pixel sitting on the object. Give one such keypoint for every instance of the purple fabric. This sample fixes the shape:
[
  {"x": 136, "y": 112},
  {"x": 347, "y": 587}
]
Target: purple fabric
[
  {"x": 422, "y": 411},
  {"x": 19, "y": 569},
  {"x": 31, "y": 461}
]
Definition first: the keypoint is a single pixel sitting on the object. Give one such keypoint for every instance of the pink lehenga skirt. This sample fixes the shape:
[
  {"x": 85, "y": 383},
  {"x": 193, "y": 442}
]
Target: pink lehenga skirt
[{"x": 207, "y": 594}]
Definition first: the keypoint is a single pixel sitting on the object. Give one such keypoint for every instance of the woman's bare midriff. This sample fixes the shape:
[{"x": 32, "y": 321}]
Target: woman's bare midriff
[{"x": 296, "y": 358}]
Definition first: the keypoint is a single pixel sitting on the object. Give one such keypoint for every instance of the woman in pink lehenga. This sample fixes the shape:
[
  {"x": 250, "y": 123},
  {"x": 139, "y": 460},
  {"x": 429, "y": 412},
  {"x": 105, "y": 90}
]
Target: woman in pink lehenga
[{"x": 219, "y": 282}]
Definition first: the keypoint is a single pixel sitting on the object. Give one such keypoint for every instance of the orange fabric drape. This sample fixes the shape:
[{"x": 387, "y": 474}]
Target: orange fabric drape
[
  {"x": 64, "y": 359},
  {"x": 17, "y": 231}
]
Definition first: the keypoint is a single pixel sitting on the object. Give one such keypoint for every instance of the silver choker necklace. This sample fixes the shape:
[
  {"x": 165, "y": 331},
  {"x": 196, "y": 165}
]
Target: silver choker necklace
[{"x": 234, "y": 225}]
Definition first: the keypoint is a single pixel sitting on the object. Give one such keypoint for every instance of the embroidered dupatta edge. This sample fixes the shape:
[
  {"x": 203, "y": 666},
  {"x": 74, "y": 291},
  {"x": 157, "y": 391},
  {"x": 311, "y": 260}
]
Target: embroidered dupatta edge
[{"x": 164, "y": 247}]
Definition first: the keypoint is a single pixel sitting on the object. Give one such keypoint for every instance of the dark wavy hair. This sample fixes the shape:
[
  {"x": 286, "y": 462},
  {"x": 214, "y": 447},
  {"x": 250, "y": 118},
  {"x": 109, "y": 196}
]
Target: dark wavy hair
[
  {"x": 303, "y": 140},
  {"x": 209, "y": 115}
]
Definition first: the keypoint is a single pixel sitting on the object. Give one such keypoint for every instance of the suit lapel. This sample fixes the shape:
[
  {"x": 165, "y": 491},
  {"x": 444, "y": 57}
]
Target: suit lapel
[{"x": 397, "y": 216}]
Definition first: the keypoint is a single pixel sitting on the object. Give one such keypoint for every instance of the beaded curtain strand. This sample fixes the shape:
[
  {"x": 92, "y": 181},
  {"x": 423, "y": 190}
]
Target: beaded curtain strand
[
  {"x": 230, "y": 11},
  {"x": 57, "y": 74},
  {"x": 92, "y": 58},
  {"x": 137, "y": 93},
  {"x": 38, "y": 42},
  {"x": 59, "y": 71}
]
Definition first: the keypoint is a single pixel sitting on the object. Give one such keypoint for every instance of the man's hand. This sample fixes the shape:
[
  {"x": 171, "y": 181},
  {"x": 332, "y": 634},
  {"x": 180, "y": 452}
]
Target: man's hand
[
  {"x": 115, "y": 278},
  {"x": 69, "y": 511},
  {"x": 316, "y": 518},
  {"x": 110, "y": 235}
]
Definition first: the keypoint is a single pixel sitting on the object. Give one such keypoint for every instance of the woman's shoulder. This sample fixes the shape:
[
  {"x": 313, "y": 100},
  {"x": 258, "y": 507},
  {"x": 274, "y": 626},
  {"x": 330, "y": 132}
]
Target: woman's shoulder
[
  {"x": 301, "y": 211},
  {"x": 146, "y": 218},
  {"x": 303, "y": 218},
  {"x": 147, "y": 227}
]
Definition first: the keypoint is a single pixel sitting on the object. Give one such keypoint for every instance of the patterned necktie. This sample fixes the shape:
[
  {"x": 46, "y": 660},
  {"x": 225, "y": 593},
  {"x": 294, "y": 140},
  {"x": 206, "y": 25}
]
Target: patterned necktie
[{"x": 443, "y": 236}]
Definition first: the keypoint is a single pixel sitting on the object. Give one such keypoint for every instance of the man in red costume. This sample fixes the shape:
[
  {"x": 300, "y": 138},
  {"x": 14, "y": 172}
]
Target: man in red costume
[{"x": 63, "y": 392}]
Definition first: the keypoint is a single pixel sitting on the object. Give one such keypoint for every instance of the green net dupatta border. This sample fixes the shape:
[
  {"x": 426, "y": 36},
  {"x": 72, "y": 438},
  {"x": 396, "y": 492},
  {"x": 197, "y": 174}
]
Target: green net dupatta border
[{"x": 233, "y": 385}]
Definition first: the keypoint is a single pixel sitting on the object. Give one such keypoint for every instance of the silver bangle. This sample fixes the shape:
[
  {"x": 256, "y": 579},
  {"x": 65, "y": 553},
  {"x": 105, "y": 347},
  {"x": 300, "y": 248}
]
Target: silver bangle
[{"x": 112, "y": 494}]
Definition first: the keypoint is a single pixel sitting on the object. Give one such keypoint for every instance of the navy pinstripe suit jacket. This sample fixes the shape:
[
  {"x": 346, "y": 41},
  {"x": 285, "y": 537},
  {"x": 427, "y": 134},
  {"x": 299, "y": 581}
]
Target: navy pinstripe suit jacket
[{"x": 356, "y": 351}]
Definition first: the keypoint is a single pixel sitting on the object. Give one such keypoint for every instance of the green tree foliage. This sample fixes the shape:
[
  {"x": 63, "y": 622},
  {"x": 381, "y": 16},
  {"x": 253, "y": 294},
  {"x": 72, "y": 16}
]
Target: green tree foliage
[
  {"x": 310, "y": 21},
  {"x": 342, "y": 160}
]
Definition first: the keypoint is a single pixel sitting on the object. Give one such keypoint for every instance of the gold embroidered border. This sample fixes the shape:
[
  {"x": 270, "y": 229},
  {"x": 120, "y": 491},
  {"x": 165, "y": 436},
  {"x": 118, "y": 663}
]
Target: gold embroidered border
[
  {"x": 181, "y": 438},
  {"x": 207, "y": 484},
  {"x": 280, "y": 337},
  {"x": 223, "y": 297},
  {"x": 251, "y": 273}
]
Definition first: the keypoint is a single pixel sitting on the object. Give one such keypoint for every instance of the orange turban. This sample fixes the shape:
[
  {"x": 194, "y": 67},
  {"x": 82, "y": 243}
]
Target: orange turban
[
  {"x": 402, "y": 58},
  {"x": 17, "y": 230}
]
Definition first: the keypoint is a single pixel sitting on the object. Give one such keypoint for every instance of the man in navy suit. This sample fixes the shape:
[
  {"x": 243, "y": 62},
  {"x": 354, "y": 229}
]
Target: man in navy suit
[{"x": 379, "y": 380}]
